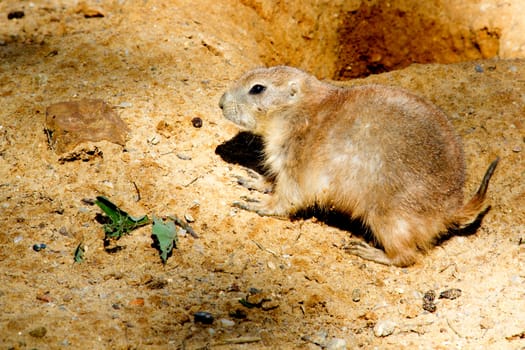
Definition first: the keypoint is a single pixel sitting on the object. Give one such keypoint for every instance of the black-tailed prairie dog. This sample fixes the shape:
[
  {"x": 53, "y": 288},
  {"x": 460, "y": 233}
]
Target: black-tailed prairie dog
[{"x": 376, "y": 153}]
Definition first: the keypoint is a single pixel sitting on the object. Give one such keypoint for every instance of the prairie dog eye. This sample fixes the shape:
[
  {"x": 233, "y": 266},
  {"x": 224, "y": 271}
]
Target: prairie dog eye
[{"x": 257, "y": 89}]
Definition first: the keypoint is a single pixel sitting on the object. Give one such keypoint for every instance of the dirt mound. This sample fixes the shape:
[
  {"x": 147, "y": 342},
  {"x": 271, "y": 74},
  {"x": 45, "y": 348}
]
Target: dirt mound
[{"x": 247, "y": 281}]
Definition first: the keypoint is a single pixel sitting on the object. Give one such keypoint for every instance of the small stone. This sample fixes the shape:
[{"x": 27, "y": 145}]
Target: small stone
[
  {"x": 270, "y": 305},
  {"x": 38, "y": 332},
  {"x": 63, "y": 231},
  {"x": 238, "y": 313},
  {"x": 451, "y": 294},
  {"x": 203, "y": 317},
  {"x": 89, "y": 11},
  {"x": 137, "y": 302},
  {"x": 196, "y": 122},
  {"x": 429, "y": 306},
  {"x": 189, "y": 218},
  {"x": 399, "y": 290},
  {"x": 39, "y": 246},
  {"x": 15, "y": 15},
  {"x": 356, "y": 295},
  {"x": 319, "y": 338},
  {"x": 226, "y": 323},
  {"x": 384, "y": 328},
  {"x": 154, "y": 140},
  {"x": 124, "y": 105},
  {"x": 478, "y": 68},
  {"x": 75, "y": 122},
  {"x": 517, "y": 149},
  {"x": 336, "y": 344},
  {"x": 429, "y": 296},
  {"x": 428, "y": 301},
  {"x": 255, "y": 296},
  {"x": 183, "y": 156},
  {"x": 88, "y": 201}
]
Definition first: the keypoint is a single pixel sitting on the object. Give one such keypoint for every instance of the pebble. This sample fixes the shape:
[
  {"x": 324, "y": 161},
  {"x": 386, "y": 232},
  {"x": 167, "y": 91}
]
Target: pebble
[
  {"x": 428, "y": 301},
  {"x": 264, "y": 300},
  {"x": 451, "y": 294},
  {"x": 15, "y": 15},
  {"x": 38, "y": 332},
  {"x": 319, "y": 338},
  {"x": 270, "y": 305},
  {"x": 203, "y": 317},
  {"x": 196, "y": 122},
  {"x": 39, "y": 246},
  {"x": 226, "y": 323},
  {"x": 154, "y": 140},
  {"x": 88, "y": 201},
  {"x": 63, "y": 231},
  {"x": 384, "y": 328},
  {"x": 125, "y": 105},
  {"x": 183, "y": 156},
  {"x": 429, "y": 296},
  {"x": 336, "y": 344},
  {"x": 478, "y": 68},
  {"x": 356, "y": 295},
  {"x": 45, "y": 297},
  {"x": 137, "y": 302},
  {"x": 189, "y": 218}
]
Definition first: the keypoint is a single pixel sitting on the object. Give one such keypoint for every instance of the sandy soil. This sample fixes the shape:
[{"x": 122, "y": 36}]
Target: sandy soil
[{"x": 162, "y": 65}]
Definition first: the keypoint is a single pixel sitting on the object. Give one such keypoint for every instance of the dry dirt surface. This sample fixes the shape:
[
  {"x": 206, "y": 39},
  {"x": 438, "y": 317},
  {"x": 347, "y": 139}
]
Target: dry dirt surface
[{"x": 161, "y": 64}]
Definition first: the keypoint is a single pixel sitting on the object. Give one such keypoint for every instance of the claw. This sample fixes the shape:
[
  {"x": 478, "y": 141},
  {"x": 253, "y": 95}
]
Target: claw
[
  {"x": 241, "y": 205},
  {"x": 367, "y": 252}
]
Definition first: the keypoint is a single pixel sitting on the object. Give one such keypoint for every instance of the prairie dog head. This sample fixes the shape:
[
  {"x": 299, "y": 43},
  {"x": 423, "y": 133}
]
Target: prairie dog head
[{"x": 262, "y": 93}]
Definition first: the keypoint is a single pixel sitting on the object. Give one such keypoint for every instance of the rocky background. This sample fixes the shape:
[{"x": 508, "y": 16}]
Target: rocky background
[{"x": 267, "y": 283}]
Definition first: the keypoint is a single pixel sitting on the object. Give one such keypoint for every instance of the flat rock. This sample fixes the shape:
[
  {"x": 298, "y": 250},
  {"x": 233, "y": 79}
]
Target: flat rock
[{"x": 71, "y": 123}]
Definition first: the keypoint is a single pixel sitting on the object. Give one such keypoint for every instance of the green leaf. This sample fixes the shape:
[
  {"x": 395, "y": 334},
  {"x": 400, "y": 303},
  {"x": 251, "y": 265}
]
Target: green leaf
[
  {"x": 79, "y": 253},
  {"x": 165, "y": 235},
  {"x": 121, "y": 222}
]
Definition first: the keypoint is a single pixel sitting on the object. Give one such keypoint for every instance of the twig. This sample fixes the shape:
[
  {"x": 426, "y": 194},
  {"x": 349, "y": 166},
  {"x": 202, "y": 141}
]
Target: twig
[
  {"x": 241, "y": 340},
  {"x": 453, "y": 329},
  {"x": 259, "y": 245},
  {"x": 192, "y": 181},
  {"x": 137, "y": 190},
  {"x": 49, "y": 135},
  {"x": 184, "y": 225}
]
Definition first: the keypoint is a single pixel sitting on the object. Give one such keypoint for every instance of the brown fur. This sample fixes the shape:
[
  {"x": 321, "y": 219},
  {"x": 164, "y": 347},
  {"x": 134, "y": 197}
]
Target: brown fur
[{"x": 378, "y": 153}]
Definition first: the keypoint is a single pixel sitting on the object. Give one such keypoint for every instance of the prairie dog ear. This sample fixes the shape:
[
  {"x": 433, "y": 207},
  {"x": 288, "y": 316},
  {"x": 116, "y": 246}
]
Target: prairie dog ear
[{"x": 293, "y": 88}]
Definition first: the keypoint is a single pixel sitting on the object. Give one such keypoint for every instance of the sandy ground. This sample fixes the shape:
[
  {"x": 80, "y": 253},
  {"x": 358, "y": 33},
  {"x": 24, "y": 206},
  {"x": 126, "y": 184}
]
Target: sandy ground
[{"x": 162, "y": 66}]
